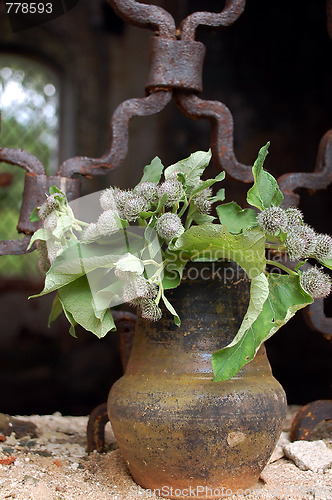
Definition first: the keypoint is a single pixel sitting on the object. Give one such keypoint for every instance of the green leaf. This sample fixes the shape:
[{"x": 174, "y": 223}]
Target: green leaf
[
  {"x": 34, "y": 217},
  {"x": 220, "y": 196},
  {"x": 171, "y": 309},
  {"x": 55, "y": 311},
  {"x": 220, "y": 177},
  {"x": 326, "y": 263},
  {"x": 299, "y": 265},
  {"x": 65, "y": 269},
  {"x": 53, "y": 189},
  {"x": 76, "y": 299},
  {"x": 131, "y": 263},
  {"x": 173, "y": 271},
  {"x": 83, "y": 265},
  {"x": 152, "y": 248},
  {"x": 234, "y": 218},
  {"x": 181, "y": 178},
  {"x": 64, "y": 223},
  {"x": 201, "y": 218},
  {"x": 206, "y": 184},
  {"x": 146, "y": 215},
  {"x": 82, "y": 258},
  {"x": 201, "y": 186},
  {"x": 265, "y": 192},
  {"x": 285, "y": 298},
  {"x": 40, "y": 234},
  {"x": 282, "y": 236},
  {"x": 109, "y": 296},
  {"x": 191, "y": 167},
  {"x": 214, "y": 241},
  {"x": 72, "y": 329},
  {"x": 70, "y": 266},
  {"x": 161, "y": 202},
  {"x": 152, "y": 172},
  {"x": 259, "y": 292},
  {"x": 71, "y": 320},
  {"x": 54, "y": 281}
]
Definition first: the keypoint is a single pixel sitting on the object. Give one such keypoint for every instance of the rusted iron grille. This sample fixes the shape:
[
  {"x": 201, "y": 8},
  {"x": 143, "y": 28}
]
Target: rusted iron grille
[{"x": 176, "y": 65}]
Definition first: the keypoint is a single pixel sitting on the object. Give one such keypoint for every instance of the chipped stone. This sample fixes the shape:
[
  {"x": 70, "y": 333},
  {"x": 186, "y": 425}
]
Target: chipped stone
[{"x": 309, "y": 455}]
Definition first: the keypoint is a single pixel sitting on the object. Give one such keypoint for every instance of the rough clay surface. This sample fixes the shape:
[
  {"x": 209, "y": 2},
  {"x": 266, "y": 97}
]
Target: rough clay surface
[{"x": 54, "y": 465}]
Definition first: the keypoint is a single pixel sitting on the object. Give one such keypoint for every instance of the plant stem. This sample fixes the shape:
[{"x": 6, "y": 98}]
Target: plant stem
[
  {"x": 274, "y": 246},
  {"x": 188, "y": 223},
  {"x": 281, "y": 266},
  {"x": 126, "y": 240},
  {"x": 184, "y": 207},
  {"x": 141, "y": 222},
  {"x": 151, "y": 261}
]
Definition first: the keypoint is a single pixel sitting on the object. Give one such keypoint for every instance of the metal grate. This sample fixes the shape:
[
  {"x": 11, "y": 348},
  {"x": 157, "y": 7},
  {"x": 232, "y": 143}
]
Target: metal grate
[{"x": 29, "y": 97}]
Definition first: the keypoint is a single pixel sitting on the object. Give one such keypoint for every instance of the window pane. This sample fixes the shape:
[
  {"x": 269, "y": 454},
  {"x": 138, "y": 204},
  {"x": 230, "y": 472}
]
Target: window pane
[{"x": 29, "y": 101}]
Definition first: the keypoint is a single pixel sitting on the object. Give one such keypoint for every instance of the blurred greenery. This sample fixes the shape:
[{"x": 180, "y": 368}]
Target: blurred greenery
[{"x": 29, "y": 109}]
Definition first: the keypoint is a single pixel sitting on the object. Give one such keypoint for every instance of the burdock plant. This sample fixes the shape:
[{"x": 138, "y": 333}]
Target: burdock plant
[{"x": 142, "y": 239}]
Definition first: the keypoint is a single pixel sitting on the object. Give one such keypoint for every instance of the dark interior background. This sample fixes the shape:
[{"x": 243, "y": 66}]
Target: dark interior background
[{"x": 272, "y": 69}]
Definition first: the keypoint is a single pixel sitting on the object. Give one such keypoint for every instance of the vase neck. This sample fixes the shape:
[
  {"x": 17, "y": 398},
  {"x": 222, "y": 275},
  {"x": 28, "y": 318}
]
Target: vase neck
[{"x": 211, "y": 302}]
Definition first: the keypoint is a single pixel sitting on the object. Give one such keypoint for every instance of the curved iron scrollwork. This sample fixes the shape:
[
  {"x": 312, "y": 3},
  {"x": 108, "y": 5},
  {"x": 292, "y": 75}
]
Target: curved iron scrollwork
[{"x": 320, "y": 178}]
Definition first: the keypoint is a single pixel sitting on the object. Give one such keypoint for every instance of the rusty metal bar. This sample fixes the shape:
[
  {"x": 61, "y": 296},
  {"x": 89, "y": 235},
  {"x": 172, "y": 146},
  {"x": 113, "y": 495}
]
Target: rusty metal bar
[
  {"x": 175, "y": 64},
  {"x": 14, "y": 247},
  {"x": 222, "y": 132},
  {"x": 308, "y": 417},
  {"x": 117, "y": 152},
  {"x": 35, "y": 189},
  {"x": 146, "y": 16},
  {"x": 23, "y": 159},
  {"x": 98, "y": 418},
  {"x": 231, "y": 12},
  {"x": 320, "y": 178},
  {"x": 316, "y": 319},
  {"x": 37, "y": 183}
]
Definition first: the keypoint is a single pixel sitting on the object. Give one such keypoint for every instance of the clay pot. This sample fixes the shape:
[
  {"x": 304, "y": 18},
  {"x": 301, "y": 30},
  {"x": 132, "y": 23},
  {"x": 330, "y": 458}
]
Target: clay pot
[{"x": 179, "y": 432}]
